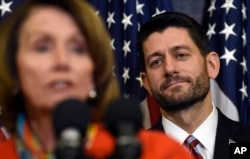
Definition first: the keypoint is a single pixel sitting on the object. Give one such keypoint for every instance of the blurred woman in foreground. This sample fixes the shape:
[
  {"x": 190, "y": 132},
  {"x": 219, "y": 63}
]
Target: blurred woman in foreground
[{"x": 51, "y": 51}]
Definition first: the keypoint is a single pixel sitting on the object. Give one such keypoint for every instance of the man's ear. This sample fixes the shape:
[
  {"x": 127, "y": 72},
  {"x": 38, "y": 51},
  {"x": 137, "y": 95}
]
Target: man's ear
[
  {"x": 145, "y": 82},
  {"x": 213, "y": 64}
]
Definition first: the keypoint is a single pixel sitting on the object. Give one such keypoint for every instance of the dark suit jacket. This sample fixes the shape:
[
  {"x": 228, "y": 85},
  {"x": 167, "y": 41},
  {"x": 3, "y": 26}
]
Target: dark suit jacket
[{"x": 226, "y": 129}]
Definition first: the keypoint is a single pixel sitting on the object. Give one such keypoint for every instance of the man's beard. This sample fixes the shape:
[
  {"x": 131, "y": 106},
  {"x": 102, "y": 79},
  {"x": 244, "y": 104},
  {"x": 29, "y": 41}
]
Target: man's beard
[{"x": 196, "y": 93}]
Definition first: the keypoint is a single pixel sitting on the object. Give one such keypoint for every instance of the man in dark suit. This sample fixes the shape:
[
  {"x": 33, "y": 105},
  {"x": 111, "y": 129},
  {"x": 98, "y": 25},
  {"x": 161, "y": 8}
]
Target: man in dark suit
[{"x": 177, "y": 68}]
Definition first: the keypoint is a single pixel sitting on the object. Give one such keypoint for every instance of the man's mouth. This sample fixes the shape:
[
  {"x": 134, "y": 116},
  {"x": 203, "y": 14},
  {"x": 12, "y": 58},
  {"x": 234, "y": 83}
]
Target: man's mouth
[{"x": 171, "y": 84}]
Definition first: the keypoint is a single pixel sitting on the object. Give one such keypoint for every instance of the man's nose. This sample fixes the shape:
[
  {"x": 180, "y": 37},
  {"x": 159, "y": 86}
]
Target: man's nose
[{"x": 169, "y": 64}]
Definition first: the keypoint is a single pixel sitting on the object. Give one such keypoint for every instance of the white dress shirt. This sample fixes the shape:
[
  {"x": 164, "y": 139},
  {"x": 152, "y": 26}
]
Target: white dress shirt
[{"x": 205, "y": 133}]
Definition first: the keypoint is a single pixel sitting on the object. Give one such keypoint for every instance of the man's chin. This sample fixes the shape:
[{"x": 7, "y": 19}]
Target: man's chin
[
  {"x": 176, "y": 102},
  {"x": 175, "y": 106},
  {"x": 174, "y": 93}
]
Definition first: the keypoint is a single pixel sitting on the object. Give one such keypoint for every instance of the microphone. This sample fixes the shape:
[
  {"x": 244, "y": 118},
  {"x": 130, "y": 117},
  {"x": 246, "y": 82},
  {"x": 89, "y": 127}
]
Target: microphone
[
  {"x": 70, "y": 120},
  {"x": 123, "y": 118}
]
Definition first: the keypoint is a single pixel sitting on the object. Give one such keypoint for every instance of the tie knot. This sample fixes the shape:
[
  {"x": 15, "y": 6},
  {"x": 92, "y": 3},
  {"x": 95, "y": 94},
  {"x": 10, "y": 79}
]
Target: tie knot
[{"x": 192, "y": 144}]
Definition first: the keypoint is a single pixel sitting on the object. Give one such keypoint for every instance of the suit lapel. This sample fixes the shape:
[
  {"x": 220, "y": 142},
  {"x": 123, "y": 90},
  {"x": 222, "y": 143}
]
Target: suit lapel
[{"x": 225, "y": 133}]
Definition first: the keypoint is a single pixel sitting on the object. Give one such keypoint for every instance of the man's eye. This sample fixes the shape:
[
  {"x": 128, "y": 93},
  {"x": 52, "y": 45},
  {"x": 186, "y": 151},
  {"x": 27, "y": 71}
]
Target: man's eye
[
  {"x": 181, "y": 56},
  {"x": 155, "y": 63}
]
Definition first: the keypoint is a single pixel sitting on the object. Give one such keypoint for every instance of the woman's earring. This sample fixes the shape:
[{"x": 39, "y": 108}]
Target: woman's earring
[{"x": 92, "y": 94}]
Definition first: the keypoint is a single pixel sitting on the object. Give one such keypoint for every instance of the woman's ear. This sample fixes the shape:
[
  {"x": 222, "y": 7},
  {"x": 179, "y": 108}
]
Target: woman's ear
[
  {"x": 213, "y": 64},
  {"x": 145, "y": 82}
]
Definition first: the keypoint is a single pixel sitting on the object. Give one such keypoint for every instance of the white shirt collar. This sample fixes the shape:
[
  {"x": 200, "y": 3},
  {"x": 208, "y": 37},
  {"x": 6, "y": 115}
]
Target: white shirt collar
[{"x": 205, "y": 133}]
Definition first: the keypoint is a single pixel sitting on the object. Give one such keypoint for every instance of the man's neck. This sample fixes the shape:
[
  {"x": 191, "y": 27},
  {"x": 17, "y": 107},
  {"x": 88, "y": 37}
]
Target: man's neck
[{"x": 191, "y": 118}]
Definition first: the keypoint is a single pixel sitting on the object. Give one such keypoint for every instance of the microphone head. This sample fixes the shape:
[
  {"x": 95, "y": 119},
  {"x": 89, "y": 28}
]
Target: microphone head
[
  {"x": 123, "y": 112},
  {"x": 71, "y": 113}
]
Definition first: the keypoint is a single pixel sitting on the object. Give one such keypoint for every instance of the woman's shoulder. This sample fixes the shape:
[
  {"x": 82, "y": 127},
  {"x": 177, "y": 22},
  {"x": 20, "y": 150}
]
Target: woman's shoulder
[
  {"x": 8, "y": 149},
  {"x": 100, "y": 143},
  {"x": 154, "y": 144},
  {"x": 157, "y": 144}
]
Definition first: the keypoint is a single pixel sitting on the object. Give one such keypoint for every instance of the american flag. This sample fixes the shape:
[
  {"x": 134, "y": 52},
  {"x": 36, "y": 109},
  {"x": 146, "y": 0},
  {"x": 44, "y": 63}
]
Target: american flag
[{"x": 228, "y": 32}]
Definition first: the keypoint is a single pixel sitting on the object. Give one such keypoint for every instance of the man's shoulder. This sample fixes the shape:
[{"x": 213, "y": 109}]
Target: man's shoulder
[{"x": 239, "y": 130}]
